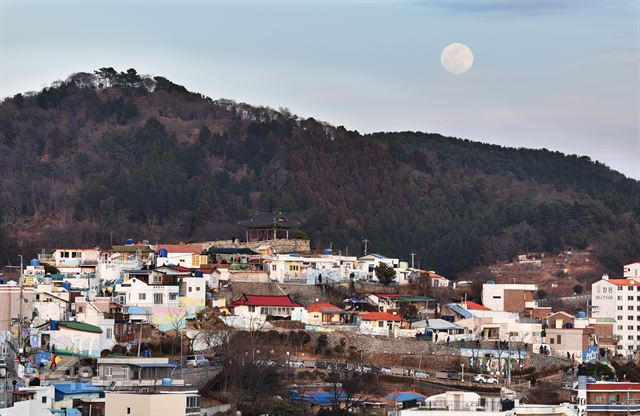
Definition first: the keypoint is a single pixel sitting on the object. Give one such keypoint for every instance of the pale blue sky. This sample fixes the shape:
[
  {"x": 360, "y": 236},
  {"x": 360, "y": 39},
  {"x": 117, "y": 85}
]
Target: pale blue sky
[{"x": 547, "y": 73}]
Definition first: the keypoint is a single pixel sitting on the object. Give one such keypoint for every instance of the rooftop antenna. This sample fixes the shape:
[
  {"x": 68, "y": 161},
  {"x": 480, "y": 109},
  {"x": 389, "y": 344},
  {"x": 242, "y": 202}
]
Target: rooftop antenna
[
  {"x": 365, "y": 242},
  {"x": 413, "y": 257}
]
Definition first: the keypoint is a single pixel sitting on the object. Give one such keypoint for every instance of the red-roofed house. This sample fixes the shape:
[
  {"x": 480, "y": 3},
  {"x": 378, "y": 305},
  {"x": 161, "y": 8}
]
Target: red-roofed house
[
  {"x": 256, "y": 306},
  {"x": 476, "y": 306},
  {"x": 325, "y": 313},
  {"x": 378, "y": 323}
]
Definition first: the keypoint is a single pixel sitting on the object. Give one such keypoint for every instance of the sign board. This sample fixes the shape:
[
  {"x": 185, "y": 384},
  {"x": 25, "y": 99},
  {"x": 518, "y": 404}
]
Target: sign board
[{"x": 590, "y": 354}]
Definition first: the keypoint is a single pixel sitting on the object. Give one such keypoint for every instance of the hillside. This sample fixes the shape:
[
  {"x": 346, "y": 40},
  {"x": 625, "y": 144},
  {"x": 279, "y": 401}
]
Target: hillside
[{"x": 99, "y": 158}]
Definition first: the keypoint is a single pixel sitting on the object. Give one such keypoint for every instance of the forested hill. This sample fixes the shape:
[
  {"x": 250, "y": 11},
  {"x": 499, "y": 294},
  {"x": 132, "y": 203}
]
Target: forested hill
[{"x": 99, "y": 158}]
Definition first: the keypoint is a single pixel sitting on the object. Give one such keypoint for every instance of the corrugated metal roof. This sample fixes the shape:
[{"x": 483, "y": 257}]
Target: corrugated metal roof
[{"x": 460, "y": 310}]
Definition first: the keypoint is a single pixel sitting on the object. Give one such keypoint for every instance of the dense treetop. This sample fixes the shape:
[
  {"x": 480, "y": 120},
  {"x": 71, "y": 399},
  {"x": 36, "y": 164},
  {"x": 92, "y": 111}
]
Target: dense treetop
[{"x": 102, "y": 157}]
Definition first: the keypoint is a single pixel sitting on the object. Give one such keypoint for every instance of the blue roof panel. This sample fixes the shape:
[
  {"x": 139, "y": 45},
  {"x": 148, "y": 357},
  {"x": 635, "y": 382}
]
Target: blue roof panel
[{"x": 460, "y": 310}]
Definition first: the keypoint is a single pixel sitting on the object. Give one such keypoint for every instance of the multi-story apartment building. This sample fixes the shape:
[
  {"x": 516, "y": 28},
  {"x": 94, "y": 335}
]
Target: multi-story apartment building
[{"x": 619, "y": 299}]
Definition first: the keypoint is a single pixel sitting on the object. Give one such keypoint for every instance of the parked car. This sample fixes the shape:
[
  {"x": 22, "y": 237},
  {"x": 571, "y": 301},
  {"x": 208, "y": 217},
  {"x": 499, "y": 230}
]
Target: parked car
[
  {"x": 421, "y": 374},
  {"x": 385, "y": 370},
  {"x": 321, "y": 364},
  {"x": 3, "y": 363},
  {"x": 342, "y": 366},
  {"x": 266, "y": 363},
  {"x": 365, "y": 369},
  {"x": 196, "y": 361},
  {"x": 296, "y": 364},
  {"x": 480, "y": 378}
]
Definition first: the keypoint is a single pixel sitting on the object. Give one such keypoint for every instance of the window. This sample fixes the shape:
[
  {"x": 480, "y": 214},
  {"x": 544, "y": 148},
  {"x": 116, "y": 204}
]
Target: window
[
  {"x": 630, "y": 317},
  {"x": 614, "y": 398},
  {"x": 252, "y": 308},
  {"x": 619, "y": 317},
  {"x": 619, "y": 307},
  {"x": 559, "y": 339},
  {"x": 173, "y": 296},
  {"x": 497, "y": 297},
  {"x": 109, "y": 333},
  {"x": 619, "y": 287},
  {"x": 158, "y": 299},
  {"x": 629, "y": 297},
  {"x": 142, "y": 296},
  {"x": 380, "y": 324},
  {"x": 44, "y": 399},
  {"x": 620, "y": 327},
  {"x": 193, "y": 401},
  {"x": 190, "y": 289},
  {"x": 630, "y": 327},
  {"x": 198, "y": 289},
  {"x": 274, "y": 267},
  {"x": 630, "y": 337},
  {"x": 629, "y": 308},
  {"x": 551, "y": 341},
  {"x": 128, "y": 410},
  {"x": 108, "y": 371},
  {"x": 263, "y": 311}
]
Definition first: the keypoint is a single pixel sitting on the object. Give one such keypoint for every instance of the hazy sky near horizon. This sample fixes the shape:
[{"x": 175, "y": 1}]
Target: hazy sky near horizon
[{"x": 564, "y": 75}]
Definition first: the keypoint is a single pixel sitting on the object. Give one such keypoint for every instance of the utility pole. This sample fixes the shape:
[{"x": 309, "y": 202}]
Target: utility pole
[
  {"x": 365, "y": 242},
  {"x": 413, "y": 257},
  {"x": 21, "y": 320}
]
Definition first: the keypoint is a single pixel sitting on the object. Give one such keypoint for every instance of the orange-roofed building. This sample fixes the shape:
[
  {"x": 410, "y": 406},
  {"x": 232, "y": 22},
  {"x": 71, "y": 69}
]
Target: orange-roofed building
[
  {"x": 378, "y": 323},
  {"x": 325, "y": 313}
]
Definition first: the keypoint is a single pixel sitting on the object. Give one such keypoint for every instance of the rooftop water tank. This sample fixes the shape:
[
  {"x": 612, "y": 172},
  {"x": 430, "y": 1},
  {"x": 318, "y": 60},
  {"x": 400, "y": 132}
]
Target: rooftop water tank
[
  {"x": 166, "y": 382},
  {"x": 35, "y": 262},
  {"x": 53, "y": 325},
  {"x": 199, "y": 274},
  {"x": 163, "y": 252},
  {"x": 491, "y": 282},
  {"x": 129, "y": 242},
  {"x": 328, "y": 251},
  {"x": 582, "y": 315}
]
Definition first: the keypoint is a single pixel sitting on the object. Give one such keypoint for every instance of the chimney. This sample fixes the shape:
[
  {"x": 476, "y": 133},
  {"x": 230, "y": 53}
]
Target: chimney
[{"x": 605, "y": 277}]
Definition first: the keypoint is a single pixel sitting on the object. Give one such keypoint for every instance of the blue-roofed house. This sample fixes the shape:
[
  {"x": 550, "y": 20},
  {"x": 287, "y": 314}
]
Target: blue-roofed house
[
  {"x": 407, "y": 399},
  {"x": 319, "y": 399},
  {"x": 69, "y": 391}
]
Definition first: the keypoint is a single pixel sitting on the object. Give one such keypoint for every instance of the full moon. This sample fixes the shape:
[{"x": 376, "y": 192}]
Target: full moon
[{"x": 456, "y": 58}]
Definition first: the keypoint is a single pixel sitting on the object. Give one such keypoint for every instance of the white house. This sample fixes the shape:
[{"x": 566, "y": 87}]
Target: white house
[
  {"x": 72, "y": 260},
  {"x": 293, "y": 267},
  {"x": 378, "y": 323},
  {"x": 72, "y": 337},
  {"x": 192, "y": 293},
  {"x": 33, "y": 401},
  {"x": 368, "y": 263},
  {"x": 186, "y": 255},
  {"x": 93, "y": 314},
  {"x": 135, "y": 292}
]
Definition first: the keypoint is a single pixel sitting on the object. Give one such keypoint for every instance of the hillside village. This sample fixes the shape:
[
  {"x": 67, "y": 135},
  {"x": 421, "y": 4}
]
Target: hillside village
[{"x": 199, "y": 327}]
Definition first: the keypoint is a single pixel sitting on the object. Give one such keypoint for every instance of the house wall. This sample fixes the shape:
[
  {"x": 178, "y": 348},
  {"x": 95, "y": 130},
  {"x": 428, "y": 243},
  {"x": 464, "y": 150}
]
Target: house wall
[
  {"x": 127, "y": 404},
  {"x": 10, "y": 304},
  {"x": 632, "y": 270},
  {"x": 75, "y": 342}
]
